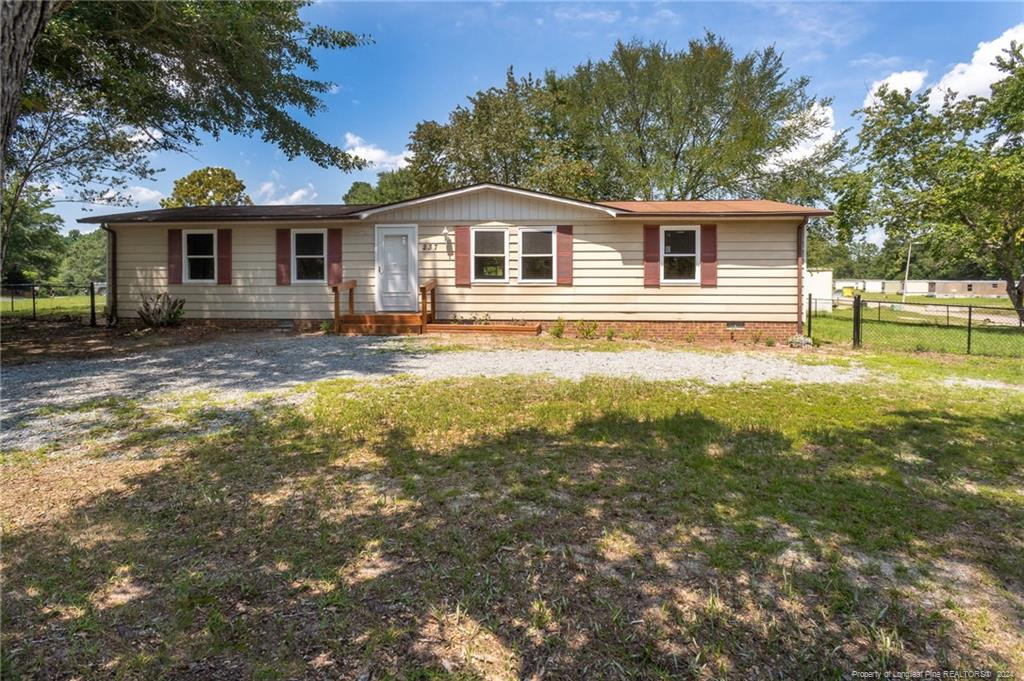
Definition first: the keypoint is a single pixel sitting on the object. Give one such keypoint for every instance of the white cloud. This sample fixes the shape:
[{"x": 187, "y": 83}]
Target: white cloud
[
  {"x": 379, "y": 158},
  {"x": 899, "y": 81},
  {"x": 575, "y": 13},
  {"x": 139, "y": 195},
  {"x": 875, "y": 60},
  {"x": 808, "y": 31},
  {"x": 144, "y": 195},
  {"x": 334, "y": 89},
  {"x": 300, "y": 195},
  {"x": 266, "y": 190},
  {"x": 146, "y": 135},
  {"x": 826, "y": 132},
  {"x": 976, "y": 77}
]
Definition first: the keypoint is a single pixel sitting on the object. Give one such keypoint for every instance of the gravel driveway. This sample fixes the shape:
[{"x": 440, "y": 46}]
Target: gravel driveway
[{"x": 260, "y": 363}]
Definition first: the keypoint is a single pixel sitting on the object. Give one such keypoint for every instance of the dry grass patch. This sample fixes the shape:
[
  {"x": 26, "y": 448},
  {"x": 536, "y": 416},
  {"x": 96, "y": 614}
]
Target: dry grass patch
[{"x": 530, "y": 528}]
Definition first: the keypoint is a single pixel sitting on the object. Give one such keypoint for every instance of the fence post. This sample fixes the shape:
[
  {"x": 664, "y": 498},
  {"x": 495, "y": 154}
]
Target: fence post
[
  {"x": 970, "y": 320},
  {"x": 856, "y": 321},
  {"x": 92, "y": 303},
  {"x": 33, "y": 302},
  {"x": 810, "y": 312},
  {"x": 12, "y": 300}
]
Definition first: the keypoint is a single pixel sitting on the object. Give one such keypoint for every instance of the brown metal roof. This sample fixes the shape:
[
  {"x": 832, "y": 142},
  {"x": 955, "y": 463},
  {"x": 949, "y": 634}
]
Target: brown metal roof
[
  {"x": 741, "y": 207},
  {"x": 715, "y": 208},
  {"x": 327, "y": 211}
]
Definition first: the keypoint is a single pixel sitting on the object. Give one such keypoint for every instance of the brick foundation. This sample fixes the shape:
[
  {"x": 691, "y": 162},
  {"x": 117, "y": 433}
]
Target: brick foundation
[{"x": 692, "y": 332}]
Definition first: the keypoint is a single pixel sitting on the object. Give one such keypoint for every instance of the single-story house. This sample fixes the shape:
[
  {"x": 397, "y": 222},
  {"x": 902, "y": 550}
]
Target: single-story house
[{"x": 487, "y": 252}]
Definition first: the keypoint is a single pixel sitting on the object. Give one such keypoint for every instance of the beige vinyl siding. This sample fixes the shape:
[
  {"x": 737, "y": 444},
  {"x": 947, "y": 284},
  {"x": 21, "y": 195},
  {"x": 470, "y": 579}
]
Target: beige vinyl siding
[
  {"x": 757, "y": 274},
  {"x": 756, "y": 278},
  {"x": 489, "y": 205},
  {"x": 253, "y": 293}
]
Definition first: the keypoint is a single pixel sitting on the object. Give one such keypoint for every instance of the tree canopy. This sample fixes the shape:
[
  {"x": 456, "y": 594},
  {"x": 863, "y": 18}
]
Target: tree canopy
[
  {"x": 953, "y": 175},
  {"x": 33, "y": 240},
  {"x": 645, "y": 123},
  {"x": 209, "y": 186},
  {"x": 392, "y": 186},
  {"x": 178, "y": 69}
]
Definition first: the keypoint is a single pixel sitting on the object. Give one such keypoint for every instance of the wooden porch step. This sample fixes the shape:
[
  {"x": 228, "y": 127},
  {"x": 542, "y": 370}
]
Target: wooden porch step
[
  {"x": 381, "y": 329},
  {"x": 510, "y": 329},
  {"x": 384, "y": 318}
]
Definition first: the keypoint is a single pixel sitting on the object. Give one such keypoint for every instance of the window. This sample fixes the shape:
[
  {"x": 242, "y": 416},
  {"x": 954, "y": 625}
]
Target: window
[
  {"x": 309, "y": 261},
  {"x": 490, "y": 254},
  {"x": 970, "y": 287},
  {"x": 537, "y": 254},
  {"x": 679, "y": 248},
  {"x": 200, "y": 253}
]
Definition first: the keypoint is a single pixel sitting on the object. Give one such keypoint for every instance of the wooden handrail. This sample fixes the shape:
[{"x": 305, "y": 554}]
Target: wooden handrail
[
  {"x": 350, "y": 286},
  {"x": 428, "y": 315}
]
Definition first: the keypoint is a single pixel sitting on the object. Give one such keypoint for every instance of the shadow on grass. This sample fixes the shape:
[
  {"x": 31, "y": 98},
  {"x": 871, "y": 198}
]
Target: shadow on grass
[{"x": 614, "y": 545}]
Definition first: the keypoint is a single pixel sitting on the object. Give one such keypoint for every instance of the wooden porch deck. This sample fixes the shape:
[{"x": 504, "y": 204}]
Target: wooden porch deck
[{"x": 408, "y": 323}]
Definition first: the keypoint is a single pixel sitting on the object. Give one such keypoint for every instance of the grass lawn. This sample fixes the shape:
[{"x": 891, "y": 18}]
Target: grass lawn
[
  {"x": 520, "y": 528},
  {"x": 907, "y": 331},
  {"x": 1001, "y": 301},
  {"x": 54, "y": 306}
]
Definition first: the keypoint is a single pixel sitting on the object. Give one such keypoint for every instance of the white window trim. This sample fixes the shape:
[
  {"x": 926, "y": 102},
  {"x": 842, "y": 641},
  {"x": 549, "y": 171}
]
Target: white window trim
[
  {"x": 554, "y": 254},
  {"x": 295, "y": 256},
  {"x": 472, "y": 254},
  {"x": 185, "y": 279},
  {"x": 661, "y": 254}
]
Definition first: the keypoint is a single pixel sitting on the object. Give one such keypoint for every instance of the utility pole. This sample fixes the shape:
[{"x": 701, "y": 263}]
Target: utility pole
[{"x": 906, "y": 272}]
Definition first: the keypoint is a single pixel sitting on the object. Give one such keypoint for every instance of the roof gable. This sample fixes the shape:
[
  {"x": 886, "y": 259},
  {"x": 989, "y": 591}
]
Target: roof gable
[{"x": 488, "y": 202}]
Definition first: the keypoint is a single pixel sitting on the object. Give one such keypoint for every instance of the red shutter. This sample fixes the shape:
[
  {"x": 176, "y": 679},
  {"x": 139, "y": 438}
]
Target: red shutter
[
  {"x": 462, "y": 264},
  {"x": 174, "y": 256},
  {"x": 284, "y": 257},
  {"x": 708, "y": 255},
  {"x": 652, "y": 256},
  {"x": 224, "y": 256},
  {"x": 334, "y": 256},
  {"x": 563, "y": 260}
]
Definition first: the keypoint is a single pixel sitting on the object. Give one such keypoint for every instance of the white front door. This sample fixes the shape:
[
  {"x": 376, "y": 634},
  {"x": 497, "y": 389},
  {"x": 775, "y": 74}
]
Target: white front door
[{"x": 396, "y": 267}]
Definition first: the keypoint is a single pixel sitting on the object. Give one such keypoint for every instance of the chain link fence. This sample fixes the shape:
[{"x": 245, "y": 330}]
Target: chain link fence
[
  {"x": 42, "y": 300},
  {"x": 917, "y": 327}
]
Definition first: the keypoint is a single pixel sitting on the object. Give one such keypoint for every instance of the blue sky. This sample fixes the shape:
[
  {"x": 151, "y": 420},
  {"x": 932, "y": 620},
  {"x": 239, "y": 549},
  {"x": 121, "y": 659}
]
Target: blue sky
[{"x": 426, "y": 58}]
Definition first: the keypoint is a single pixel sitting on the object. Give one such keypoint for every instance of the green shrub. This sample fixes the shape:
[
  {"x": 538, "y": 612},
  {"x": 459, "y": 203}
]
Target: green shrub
[
  {"x": 610, "y": 333},
  {"x": 770, "y": 342},
  {"x": 326, "y": 326},
  {"x": 587, "y": 330},
  {"x": 161, "y": 310},
  {"x": 558, "y": 328}
]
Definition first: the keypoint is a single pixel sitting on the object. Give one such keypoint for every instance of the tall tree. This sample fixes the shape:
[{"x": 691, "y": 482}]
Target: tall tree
[
  {"x": 179, "y": 68},
  {"x": 392, "y": 186},
  {"x": 68, "y": 145},
  {"x": 85, "y": 259},
  {"x": 954, "y": 175},
  {"x": 21, "y": 28},
  {"x": 209, "y": 186},
  {"x": 695, "y": 124},
  {"x": 34, "y": 240},
  {"x": 505, "y": 136},
  {"x": 644, "y": 123}
]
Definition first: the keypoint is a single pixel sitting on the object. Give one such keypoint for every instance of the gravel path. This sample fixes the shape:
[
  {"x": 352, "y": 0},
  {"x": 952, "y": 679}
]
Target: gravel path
[{"x": 266, "y": 362}]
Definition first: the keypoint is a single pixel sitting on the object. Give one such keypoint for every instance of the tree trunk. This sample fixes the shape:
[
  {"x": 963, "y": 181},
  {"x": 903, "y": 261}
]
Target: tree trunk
[
  {"x": 21, "y": 27},
  {"x": 1015, "y": 289}
]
